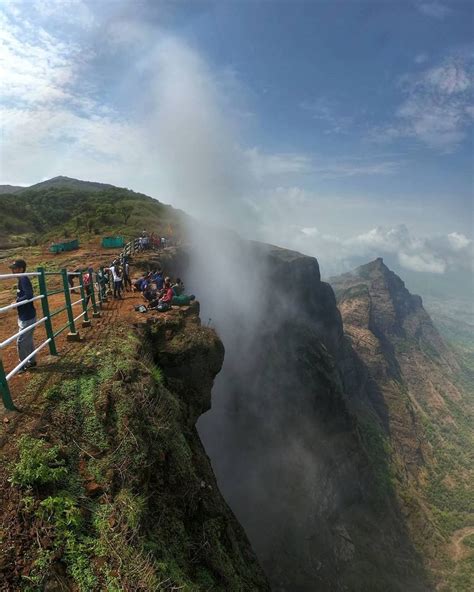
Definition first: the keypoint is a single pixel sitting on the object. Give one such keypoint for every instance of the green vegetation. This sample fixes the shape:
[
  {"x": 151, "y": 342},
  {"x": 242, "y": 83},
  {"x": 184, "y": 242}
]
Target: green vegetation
[
  {"x": 38, "y": 464},
  {"x": 117, "y": 497},
  {"x": 51, "y": 213},
  {"x": 378, "y": 449}
]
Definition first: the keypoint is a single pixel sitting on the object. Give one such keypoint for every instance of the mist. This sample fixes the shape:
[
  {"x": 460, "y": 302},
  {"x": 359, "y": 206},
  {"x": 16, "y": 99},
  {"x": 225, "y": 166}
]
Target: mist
[{"x": 263, "y": 433}]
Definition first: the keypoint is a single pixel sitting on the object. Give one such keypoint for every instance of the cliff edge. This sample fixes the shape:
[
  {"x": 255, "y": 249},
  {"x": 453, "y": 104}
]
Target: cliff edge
[{"x": 113, "y": 490}]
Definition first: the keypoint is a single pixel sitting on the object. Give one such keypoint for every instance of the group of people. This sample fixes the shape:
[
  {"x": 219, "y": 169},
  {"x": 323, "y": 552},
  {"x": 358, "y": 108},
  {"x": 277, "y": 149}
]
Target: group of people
[
  {"x": 146, "y": 241},
  {"x": 160, "y": 292}
]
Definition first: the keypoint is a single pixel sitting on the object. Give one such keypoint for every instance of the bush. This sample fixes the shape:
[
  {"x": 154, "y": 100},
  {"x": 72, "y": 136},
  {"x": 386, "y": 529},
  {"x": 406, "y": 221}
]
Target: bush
[{"x": 38, "y": 464}]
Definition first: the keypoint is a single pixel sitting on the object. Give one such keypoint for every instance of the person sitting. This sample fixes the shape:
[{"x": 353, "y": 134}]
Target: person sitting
[
  {"x": 178, "y": 287},
  {"x": 150, "y": 293},
  {"x": 183, "y": 299},
  {"x": 158, "y": 279},
  {"x": 138, "y": 284},
  {"x": 164, "y": 302}
]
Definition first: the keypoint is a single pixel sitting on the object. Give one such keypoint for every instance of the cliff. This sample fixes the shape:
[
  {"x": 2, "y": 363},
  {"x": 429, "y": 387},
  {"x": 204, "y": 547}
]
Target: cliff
[
  {"x": 400, "y": 375},
  {"x": 112, "y": 489},
  {"x": 309, "y": 481}
]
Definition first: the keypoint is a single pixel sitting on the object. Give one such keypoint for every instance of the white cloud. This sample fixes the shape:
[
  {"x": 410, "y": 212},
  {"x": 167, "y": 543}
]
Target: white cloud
[
  {"x": 424, "y": 263},
  {"x": 356, "y": 167},
  {"x": 421, "y": 58},
  {"x": 73, "y": 12},
  {"x": 36, "y": 68},
  {"x": 434, "y": 9},
  {"x": 458, "y": 241},
  {"x": 325, "y": 111},
  {"x": 265, "y": 165},
  {"x": 433, "y": 254},
  {"x": 449, "y": 78},
  {"x": 338, "y": 249},
  {"x": 437, "y": 107},
  {"x": 311, "y": 231}
]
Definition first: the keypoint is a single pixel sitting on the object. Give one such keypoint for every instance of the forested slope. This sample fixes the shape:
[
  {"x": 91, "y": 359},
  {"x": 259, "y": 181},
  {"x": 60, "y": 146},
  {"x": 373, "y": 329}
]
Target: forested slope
[{"x": 70, "y": 208}]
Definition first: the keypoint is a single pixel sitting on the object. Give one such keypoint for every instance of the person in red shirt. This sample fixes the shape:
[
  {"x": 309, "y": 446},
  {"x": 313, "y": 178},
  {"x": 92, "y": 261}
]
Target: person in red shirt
[{"x": 168, "y": 295}]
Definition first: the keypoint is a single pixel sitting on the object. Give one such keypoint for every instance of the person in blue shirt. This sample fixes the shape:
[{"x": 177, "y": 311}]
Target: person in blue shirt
[
  {"x": 157, "y": 277},
  {"x": 26, "y": 314}
]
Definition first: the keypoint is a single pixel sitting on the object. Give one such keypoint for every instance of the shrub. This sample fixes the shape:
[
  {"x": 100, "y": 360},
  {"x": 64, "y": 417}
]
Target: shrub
[{"x": 38, "y": 464}]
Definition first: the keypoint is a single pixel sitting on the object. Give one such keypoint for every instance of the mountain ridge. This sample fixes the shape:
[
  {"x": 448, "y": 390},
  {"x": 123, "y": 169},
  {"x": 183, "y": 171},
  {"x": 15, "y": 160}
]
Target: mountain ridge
[{"x": 427, "y": 408}]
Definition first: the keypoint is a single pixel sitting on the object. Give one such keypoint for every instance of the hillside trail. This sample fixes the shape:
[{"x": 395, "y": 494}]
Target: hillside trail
[
  {"x": 28, "y": 389},
  {"x": 458, "y": 550}
]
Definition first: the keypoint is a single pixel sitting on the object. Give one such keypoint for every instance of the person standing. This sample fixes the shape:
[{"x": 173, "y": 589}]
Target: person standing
[
  {"x": 117, "y": 275},
  {"x": 26, "y": 314},
  {"x": 127, "y": 283},
  {"x": 87, "y": 283}
]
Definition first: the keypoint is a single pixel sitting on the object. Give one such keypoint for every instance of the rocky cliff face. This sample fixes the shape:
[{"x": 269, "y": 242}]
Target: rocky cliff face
[
  {"x": 113, "y": 489},
  {"x": 309, "y": 482},
  {"x": 402, "y": 377}
]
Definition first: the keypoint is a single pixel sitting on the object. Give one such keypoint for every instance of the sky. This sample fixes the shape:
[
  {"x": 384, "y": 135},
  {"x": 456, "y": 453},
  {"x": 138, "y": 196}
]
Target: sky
[{"x": 342, "y": 129}]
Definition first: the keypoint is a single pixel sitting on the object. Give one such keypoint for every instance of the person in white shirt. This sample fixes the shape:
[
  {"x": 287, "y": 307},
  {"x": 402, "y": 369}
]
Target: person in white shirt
[{"x": 117, "y": 275}]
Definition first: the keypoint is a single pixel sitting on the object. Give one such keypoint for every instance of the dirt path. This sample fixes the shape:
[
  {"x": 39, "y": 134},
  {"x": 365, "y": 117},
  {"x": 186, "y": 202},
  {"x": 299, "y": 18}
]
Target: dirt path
[
  {"x": 458, "y": 550},
  {"x": 27, "y": 389}
]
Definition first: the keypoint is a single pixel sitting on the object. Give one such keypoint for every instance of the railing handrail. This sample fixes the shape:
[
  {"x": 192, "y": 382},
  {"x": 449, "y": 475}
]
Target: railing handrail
[
  {"x": 87, "y": 292},
  {"x": 87, "y": 295},
  {"x": 7, "y": 276},
  {"x": 26, "y": 360},
  {"x": 21, "y": 332},
  {"x": 21, "y": 303}
]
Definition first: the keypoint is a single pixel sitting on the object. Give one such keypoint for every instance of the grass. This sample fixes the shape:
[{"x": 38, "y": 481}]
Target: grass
[
  {"x": 117, "y": 494},
  {"x": 378, "y": 449},
  {"x": 38, "y": 464}
]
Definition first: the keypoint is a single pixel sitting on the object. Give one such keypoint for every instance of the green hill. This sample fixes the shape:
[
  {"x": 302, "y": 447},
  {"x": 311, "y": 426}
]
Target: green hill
[{"x": 63, "y": 207}]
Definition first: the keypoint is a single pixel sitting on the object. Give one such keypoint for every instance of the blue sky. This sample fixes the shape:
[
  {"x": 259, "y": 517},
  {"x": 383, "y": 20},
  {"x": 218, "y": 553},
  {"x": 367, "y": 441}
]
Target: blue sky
[{"x": 332, "y": 127}]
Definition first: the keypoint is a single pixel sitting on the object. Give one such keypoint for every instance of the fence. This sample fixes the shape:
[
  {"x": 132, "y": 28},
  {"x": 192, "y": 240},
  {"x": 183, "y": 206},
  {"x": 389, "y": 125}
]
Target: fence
[
  {"x": 137, "y": 245},
  {"x": 93, "y": 295}
]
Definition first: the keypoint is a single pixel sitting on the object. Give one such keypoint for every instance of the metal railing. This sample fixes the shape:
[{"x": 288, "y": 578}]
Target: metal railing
[
  {"x": 93, "y": 295},
  {"x": 137, "y": 245},
  {"x": 92, "y": 298}
]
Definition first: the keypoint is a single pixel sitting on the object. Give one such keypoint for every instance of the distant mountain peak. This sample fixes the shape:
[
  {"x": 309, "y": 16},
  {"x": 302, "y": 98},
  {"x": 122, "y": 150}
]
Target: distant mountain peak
[
  {"x": 63, "y": 181},
  {"x": 379, "y": 299},
  {"x": 377, "y": 265}
]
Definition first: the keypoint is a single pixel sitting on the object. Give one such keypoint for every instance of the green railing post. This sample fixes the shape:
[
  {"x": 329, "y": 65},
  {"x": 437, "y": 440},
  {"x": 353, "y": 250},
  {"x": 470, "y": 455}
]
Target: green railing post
[
  {"x": 86, "y": 322},
  {"x": 5, "y": 391},
  {"x": 73, "y": 335},
  {"x": 45, "y": 305},
  {"x": 96, "y": 313}
]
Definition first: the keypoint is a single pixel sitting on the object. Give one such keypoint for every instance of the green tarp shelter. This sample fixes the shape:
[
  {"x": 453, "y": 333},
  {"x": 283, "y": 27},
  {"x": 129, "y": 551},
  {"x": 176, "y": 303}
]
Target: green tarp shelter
[
  {"x": 64, "y": 245},
  {"x": 112, "y": 242}
]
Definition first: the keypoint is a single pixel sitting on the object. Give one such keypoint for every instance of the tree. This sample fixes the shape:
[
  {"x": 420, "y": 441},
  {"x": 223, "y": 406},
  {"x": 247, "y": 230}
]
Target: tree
[{"x": 125, "y": 212}]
